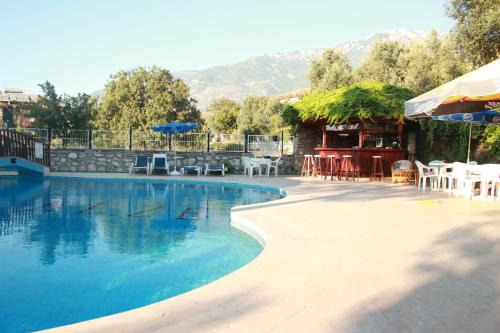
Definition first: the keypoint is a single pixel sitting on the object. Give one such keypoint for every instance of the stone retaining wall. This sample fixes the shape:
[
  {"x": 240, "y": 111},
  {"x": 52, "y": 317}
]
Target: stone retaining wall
[{"x": 110, "y": 160}]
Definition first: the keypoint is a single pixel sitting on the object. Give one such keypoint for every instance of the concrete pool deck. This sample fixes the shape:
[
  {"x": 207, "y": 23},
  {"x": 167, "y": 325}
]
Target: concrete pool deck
[{"x": 343, "y": 257}]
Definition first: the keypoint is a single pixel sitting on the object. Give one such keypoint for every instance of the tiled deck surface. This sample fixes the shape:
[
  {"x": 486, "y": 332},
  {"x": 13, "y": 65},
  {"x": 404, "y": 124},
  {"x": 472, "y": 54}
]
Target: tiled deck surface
[{"x": 345, "y": 257}]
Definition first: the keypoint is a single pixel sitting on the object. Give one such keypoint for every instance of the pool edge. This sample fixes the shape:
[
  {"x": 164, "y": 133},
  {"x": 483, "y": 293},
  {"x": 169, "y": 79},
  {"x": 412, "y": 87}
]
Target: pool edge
[{"x": 236, "y": 221}]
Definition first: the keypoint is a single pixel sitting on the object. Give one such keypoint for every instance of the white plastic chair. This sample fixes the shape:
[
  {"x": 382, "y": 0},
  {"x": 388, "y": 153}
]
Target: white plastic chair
[
  {"x": 254, "y": 163},
  {"x": 444, "y": 177},
  {"x": 455, "y": 176},
  {"x": 245, "y": 160},
  {"x": 273, "y": 165},
  {"x": 424, "y": 173},
  {"x": 249, "y": 164},
  {"x": 489, "y": 173},
  {"x": 495, "y": 188},
  {"x": 465, "y": 181}
]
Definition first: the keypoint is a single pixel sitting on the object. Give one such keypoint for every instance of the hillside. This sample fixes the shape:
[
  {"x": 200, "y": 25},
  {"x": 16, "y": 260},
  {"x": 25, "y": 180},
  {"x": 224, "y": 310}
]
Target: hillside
[{"x": 274, "y": 74}]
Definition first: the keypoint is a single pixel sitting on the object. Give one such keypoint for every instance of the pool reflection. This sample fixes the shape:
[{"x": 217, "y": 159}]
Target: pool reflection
[{"x": 129, "y": 221}]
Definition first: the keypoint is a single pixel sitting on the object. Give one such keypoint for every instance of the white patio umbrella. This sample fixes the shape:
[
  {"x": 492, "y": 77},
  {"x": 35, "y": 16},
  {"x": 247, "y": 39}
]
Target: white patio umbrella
[
  {"x": 473, "y": 97},
  {"x": 476, "y": 91}
]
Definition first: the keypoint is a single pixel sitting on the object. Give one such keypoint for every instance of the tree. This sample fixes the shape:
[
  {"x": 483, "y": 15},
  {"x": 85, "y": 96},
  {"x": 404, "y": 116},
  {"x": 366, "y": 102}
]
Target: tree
[
  {"x": 331, "y": 72},
  {"x": 224, "y": 115},
  {"x": 477, "y": 28},
  {"x": 79, "y": 110},
  {"x": 363, "y": 100},
  {"x": 261, "y": 115},
  {"x": 142, "y": 97},
  {"x": 382, "y": 64},
  {"x": 62, "y": 112},
  {"x": 431, "y": 63}
]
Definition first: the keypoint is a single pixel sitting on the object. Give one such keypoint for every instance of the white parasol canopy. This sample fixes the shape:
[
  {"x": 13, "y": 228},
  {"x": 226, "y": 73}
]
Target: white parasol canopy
[{"x": 476, "y": 91}]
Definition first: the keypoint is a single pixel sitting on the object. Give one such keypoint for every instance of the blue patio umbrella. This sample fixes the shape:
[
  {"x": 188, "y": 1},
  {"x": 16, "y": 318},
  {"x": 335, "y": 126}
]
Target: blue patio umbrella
[
  {"x": 174, "y": 128},
  {"x": 481, "y": 118}
]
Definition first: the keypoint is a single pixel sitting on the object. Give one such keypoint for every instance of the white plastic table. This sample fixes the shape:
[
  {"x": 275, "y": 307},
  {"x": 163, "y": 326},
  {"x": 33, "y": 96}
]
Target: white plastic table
[{"x": 487, "y": 172}]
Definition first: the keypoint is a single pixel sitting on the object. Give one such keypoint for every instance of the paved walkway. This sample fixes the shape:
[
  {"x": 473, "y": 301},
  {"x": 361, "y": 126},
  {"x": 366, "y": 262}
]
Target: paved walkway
[{"x": 346, "y": 257}]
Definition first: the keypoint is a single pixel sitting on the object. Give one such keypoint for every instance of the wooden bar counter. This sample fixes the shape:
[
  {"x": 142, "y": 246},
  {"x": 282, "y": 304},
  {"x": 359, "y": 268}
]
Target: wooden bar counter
[{"x": 362, "y": 157}]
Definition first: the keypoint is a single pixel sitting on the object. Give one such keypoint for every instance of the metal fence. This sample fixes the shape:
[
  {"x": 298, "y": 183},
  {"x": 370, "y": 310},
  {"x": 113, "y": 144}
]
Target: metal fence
[
  {"x": 69, "y": 139},
  {"x": 189, "y": 142},
  {"x": 227, "y": 142},
  {"x": 40, "y": 134},
  {"x": 149, "y": 140},
  {"x": 108, "y": 139},
  {"x": 271, "y": 144}
]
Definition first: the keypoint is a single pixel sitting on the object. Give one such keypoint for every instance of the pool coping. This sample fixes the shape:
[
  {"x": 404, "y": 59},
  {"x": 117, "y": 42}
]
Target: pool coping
[
  {"x": 236, "y": 221},
  {"x": 343, "y": 274}
]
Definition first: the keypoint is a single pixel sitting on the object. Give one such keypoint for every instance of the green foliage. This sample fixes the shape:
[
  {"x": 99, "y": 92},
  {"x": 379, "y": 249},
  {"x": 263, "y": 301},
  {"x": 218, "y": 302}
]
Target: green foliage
[
  {"x": 331, "y": 72},
  {"x": 421, "y": 67},
  {"x": 142, "y": 97},
  {"x": 224, "y": 115},
  {"x": 477, "y": 28},
  {"x": 230, "y": 169},
  {"x": 450, "y": 140},
  {"x": 490, "y": 145},
  {"x": 492, "y": 134},
  {"x": 431, "y": 63},
  {"x": 7, "y": 118},
  {"x": 62, "y": 112},
  {"x": 261, "y": 115},
  {"x": 447, "y": 140},
  {"x": 363, "y": 100},
  {"x": 382, "y": 64}
]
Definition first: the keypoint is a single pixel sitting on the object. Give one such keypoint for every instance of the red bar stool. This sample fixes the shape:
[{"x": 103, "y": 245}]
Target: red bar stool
[
  {"x": 331, "y": 166},
  {"x": 377, "y": 168},
  {"x": 318, "y": 165},
  {"x": 308, "y": 166},
  {"x": 346, "y": 168}
]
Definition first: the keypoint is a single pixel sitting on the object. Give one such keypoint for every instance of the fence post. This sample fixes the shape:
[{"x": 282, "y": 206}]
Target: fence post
[
  {"x": 89, "y": 137},
  {"x": 169, "y": 142},
  {"x": 130, "y": 138},
  {"x": 246, "y": 141},
  {"x": 208, "y": 141},
  {"x": 49, "y": 135},
  {"x": 282, "y": 141}
]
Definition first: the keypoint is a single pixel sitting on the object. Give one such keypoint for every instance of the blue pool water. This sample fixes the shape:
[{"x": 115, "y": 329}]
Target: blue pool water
[{"x": 72, "y": 250}]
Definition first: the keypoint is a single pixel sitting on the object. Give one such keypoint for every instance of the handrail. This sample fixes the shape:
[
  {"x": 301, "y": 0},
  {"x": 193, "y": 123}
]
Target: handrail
[{"x": 15, "y": 144}]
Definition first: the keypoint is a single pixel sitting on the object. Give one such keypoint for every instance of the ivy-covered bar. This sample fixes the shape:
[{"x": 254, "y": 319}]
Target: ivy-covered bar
[
  {"x": 362, "y": 120},
  {"x": 363, "y": 140}
]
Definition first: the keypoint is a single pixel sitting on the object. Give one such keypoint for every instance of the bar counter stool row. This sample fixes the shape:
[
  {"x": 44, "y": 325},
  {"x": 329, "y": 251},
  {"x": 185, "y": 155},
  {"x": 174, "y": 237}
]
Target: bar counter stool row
[{"x": 333, "y": 165}]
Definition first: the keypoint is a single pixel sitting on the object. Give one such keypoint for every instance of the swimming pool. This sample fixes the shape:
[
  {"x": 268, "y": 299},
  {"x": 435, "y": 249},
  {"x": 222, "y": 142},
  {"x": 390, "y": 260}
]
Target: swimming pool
[{"x": 73, "y": 250}]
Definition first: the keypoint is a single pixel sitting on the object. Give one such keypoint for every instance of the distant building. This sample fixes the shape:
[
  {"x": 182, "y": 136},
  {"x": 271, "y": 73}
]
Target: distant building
[
  {"x": 292, "y": 97},
  {"x": 13, "y": 107}
]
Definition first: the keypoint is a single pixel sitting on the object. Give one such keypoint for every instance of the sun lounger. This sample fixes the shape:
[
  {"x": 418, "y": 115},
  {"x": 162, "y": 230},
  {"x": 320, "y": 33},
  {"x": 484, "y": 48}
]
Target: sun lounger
[
  {"x": 191, "y": 169},
  {"x": 159, "y": 164},
  {"x": 140, "y": 164},
  {"x": 214, "y": 168}
]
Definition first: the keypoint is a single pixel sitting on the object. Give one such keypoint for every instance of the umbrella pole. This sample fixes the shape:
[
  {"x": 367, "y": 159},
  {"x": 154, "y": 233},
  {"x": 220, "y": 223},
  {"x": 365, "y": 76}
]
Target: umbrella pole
[{"x": 470, "y": 135}]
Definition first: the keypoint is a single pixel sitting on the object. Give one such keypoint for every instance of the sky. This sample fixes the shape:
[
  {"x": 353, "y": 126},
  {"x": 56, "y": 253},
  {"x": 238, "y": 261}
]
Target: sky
[{"x": 77, "y": 45}]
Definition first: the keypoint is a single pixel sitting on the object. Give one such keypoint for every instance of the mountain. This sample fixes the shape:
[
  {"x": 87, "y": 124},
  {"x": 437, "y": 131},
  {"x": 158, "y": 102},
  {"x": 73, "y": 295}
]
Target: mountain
[{"x": 274, "y": 74}]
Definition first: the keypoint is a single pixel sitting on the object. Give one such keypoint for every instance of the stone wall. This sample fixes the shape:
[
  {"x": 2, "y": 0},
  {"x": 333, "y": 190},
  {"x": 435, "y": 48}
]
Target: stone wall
[
  {"x": 307, "y": 138},
  {"x": 95, "y": 160}
]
